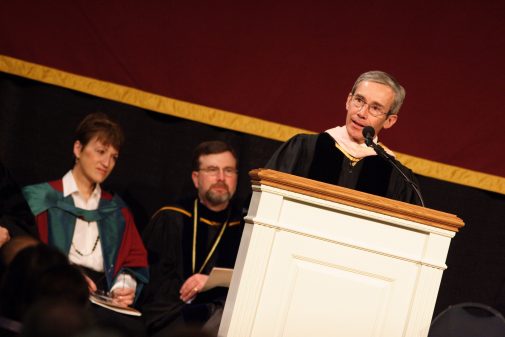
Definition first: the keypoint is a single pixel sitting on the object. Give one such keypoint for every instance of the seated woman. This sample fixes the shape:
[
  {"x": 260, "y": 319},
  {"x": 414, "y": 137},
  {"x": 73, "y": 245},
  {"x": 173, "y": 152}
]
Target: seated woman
[{"x": 94, "y": 228}]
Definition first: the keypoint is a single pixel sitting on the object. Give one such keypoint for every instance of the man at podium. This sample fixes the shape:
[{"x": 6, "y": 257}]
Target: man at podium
[{"x": 340, "y": 155}]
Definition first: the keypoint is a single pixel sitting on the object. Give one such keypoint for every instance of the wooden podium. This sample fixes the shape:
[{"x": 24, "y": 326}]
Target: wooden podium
[{"x": 320, "y": 260}]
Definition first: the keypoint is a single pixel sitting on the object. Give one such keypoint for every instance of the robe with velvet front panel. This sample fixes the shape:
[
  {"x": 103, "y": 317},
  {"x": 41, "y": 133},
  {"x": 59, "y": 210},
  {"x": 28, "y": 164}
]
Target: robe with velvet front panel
[{"x": 317, "y": 157}]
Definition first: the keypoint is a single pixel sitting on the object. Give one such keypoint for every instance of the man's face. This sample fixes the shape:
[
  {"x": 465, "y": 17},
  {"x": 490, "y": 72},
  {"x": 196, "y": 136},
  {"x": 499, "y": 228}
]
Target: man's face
[
  {"x": 95, "y": 161},
  {"x": 377, "y": 95},
  {"x": 216, "y": 181}
]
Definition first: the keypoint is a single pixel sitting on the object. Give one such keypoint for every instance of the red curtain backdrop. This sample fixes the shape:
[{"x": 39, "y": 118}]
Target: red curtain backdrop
[{"x": 291, "y": 62}]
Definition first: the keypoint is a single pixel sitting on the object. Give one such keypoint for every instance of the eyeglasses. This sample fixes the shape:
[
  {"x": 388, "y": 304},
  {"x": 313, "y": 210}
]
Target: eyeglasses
[
  {"x": 375, "y": 110},
  {"x": 214, "y": 171}
]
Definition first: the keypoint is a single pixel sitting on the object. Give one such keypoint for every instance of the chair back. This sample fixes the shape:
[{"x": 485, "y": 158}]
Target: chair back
[{"x": 468, "y": 320}]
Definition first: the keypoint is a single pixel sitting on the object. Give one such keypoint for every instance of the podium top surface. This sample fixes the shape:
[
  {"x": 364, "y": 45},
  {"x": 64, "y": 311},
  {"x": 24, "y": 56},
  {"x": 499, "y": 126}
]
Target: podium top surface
[{"x": 355, "y": 198}]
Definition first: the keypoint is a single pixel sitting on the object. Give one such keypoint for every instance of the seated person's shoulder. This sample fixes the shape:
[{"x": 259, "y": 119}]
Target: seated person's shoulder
[
  {"x": 300, "y": 137},
  {"x": 172, "y": 210},
  {"x": 180, "y": 210}
]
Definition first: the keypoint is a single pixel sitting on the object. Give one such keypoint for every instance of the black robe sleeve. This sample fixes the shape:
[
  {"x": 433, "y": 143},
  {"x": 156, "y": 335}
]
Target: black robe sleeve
[
  {"x": 400, "y": 189},
  {"x": 15, "y": 215},
  {"x": 294, "y": 156},
  {"x": 160, "y": 300}
]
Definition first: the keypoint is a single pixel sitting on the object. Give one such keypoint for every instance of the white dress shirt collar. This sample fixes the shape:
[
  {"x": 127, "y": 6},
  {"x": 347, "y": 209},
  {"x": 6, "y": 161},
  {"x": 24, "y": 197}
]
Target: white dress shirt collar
[{"x": 70, "y": 187}]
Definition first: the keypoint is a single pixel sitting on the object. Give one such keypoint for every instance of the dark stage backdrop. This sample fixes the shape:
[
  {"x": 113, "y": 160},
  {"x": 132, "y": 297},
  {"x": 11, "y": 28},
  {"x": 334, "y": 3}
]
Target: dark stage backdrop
[
  {"x": 289, "y": 62},
  {"x": 36, "y": 126}
]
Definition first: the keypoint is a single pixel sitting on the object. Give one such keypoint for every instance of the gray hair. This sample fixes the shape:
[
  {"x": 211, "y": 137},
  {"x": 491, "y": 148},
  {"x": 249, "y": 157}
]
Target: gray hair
[{"x": 386, "y": 79}]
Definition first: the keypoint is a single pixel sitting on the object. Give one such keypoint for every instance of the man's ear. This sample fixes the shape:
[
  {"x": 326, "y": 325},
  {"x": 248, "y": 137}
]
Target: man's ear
[
  {"x": 194, "y": 177},
  {"x": 77, "y": 149},
  {"x": 348, "y": 101},
  {"x": 390, "y": 121}
]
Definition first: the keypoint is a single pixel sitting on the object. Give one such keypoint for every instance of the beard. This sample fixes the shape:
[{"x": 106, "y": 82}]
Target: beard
[{"x": 217, "y": 198}]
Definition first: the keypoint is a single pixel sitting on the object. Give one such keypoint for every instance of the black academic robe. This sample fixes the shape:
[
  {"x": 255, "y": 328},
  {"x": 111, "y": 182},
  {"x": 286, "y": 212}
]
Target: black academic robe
[
  {"x": 15, "y": 214},
  {"x": 169, "y": 242},
  {"x": 316, "y": 157}
]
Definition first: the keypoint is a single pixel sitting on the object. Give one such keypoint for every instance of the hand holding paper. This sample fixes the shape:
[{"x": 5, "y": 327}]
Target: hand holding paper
[{"x": 218, "y": 277}]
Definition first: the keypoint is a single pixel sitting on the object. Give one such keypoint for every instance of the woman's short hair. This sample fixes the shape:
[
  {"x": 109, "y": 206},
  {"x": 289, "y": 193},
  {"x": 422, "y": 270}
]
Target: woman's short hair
[{"x": 100, "y": 125}]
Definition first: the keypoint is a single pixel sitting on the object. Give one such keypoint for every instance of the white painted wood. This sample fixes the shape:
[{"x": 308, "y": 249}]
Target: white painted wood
[{"x": 312, "y": 267}]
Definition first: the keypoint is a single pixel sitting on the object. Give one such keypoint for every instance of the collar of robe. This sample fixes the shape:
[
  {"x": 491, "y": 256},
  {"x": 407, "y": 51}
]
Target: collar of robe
[{"x": 43, "y": 197}]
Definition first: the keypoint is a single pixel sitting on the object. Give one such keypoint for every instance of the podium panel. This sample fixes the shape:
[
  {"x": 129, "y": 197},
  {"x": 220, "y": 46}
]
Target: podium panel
[
  {"x": 313, "y": 264},
  {"x": 317, "y": 287}
]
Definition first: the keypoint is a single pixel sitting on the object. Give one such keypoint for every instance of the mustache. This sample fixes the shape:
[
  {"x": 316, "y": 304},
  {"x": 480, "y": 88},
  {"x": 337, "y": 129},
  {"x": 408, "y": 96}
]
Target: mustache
[{"x": 220, "y": 184}]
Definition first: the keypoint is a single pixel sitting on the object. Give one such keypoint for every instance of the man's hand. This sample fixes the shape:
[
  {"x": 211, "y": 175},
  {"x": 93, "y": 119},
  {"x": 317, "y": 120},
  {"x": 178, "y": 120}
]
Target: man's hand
[
  {"x": 192, "y": 286},
  {"x": 4, "y": 235},
  {"x": 123, "y": 296}
]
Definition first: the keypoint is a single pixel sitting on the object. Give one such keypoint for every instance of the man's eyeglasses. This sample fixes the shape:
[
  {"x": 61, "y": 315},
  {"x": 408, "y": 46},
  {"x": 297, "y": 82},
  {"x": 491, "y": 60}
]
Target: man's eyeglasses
[
  {"x": 214, "y": 171},
  {"x": 375, "y": 110}
]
